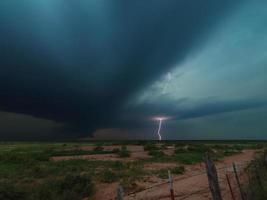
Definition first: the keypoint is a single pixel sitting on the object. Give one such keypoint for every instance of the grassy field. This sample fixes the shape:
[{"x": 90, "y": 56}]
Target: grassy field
[{"x": 28, "y": 172}]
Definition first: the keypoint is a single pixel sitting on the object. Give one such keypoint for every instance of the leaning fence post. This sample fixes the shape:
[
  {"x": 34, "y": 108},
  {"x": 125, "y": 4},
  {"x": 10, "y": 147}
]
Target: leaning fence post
[
  {"x": 171, "y": 185},
  {"x": 212, "y": 177},
  {"x": 238, "y": 182},
  {"x": 229, "y": 184},
  {"x": 119, "y": 193}
]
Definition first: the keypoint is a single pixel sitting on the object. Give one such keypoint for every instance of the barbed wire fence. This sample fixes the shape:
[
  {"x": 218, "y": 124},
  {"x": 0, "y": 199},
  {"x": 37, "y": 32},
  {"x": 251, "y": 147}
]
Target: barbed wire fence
[{"x": 231, "y": 180}]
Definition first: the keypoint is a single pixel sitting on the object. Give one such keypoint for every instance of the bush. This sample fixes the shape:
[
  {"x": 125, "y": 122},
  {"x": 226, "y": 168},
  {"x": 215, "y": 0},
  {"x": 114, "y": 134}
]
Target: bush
[
  {"x": 108, "y": 176},
  {"x": 118, "y": 165},
  {"x": 180, "y": 144},
  {"x": 116, "y": 150},
  {"x": 180, "y": 150},
  {"x": 164, "y": 146},
  {"x": 23, "y": 157},
  {"x": 98, "y": 147},
  {"x": 123, "y": 153},
  {"x": 70, "y": 187},
  {"x": 81, "y": 185},
  {"x": 156, "y": 153},
  {"x": 163, "y": 173},
  {"x": 198, "y": 148},
  {"x": 230, "y": 152},
  {"x": 189, "y": 158},
  {"x": 9, "y": 192},
  {"x": 257, "y": 184},
  {"x": 150, "y": 147},
  {"x": 129, "y": 184},
  {"x": 178, "y": 170}
]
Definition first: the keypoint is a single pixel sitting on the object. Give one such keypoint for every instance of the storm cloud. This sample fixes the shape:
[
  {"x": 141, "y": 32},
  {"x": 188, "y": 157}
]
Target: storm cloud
[
  {"x": 89, "y": 65},
  {"x": 78, "y": 62}
]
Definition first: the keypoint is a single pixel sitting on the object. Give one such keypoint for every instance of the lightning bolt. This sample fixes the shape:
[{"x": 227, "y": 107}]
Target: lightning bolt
[
  {"x": 160, "y": 122},
  {"x": 160, "y": 119}
]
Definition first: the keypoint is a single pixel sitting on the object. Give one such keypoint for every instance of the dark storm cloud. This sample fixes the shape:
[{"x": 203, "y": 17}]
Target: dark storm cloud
[
  {"x": 79, "y": 62},
  {"x": 140, "y": 115}
]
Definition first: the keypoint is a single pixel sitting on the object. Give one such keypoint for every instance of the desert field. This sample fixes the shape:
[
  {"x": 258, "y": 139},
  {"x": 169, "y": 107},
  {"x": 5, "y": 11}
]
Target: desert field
[{"x": 95, "y": 170}]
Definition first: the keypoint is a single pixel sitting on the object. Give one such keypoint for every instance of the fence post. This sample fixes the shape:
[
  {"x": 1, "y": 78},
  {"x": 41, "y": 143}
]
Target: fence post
[
  {"x": 238, "y": 182},
  {"x": 265, "y": 158},
  {"x": 119, "y": 193},
  {"x": 212, "y": 177},
  {"x": 171, "y": 185},
  {"x": 230, "y": 187}
]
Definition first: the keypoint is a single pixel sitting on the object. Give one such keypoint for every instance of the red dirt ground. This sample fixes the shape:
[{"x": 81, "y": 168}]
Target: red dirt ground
[
  {"x": 137, "y": 152},
  {"x": 192, "y": 185}
]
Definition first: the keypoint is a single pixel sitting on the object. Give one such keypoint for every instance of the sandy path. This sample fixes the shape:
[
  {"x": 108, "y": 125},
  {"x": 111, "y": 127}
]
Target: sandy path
[{"x": 193, "y": 185}]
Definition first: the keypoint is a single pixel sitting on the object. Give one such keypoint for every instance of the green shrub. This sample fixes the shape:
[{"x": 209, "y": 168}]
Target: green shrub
[
  {"x": 118, "y": 165},
  {"x": 23, "y": 157},
  {"x": 164, "y": 146},
  {"x": 230, "y": 152},
  {"x": 116, "y": 150},
  {"x": 98, "y": 147},
  {"x": 123, "y": 153},
  {"x": 156, "y": 153},
  {"x": 163, "y": 173},
  {"x": 180, "y": 144},
  {"x": 257, "y": 184},
  {"x": 239, "y": 147},
  {"x": 198, "y": 148},
  {"x": 180, "y": 150},
  {"x": 81, "y": 185},
  {"x": 128, "y": 184},
  {"x": 108, "y": 176},
  {"x": 150, "y": 147},
  {"x": 189, "y": 158},
  {"x": 9, "y": 192},
  {"x": 70, "y": 187},
  {"x": 178, "y": 170}
]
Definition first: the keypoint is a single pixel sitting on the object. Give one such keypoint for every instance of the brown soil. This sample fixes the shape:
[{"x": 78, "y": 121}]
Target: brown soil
[
  {"x": 137, "y": 152},
  {"x": 169, "y": 151},
  {"x": 106, "y": 191},
  {"x": 158, "y": 166},
  {"x": 94, "y": 157},
  {"x": 193, "y": 185}
]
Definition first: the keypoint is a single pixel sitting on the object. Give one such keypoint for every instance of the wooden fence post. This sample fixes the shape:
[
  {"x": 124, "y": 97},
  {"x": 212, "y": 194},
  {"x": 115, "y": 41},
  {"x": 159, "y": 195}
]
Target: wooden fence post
[
  {"x": 171, "y": 185},
  {"x": 265, "y": 158},
  {"x": 212, "y": 177},
  {"x": 230, "y": 187},
  {"x": 238, "y": 182},
  {"x": 119, "y": 193}
]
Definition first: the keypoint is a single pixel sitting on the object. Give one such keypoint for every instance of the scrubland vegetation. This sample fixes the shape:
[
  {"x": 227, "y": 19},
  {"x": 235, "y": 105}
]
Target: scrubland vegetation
[
  {"x": 28, "y": 172},
  {"x": 256, "y": 187}
]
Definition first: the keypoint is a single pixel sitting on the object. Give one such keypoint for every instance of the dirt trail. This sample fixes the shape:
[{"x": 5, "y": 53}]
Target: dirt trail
[{"x": 193, "y": 185}]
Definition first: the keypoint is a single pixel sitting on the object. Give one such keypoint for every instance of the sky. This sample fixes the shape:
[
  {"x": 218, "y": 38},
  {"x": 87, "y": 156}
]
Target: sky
[{"x": 104, "y": 69}]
